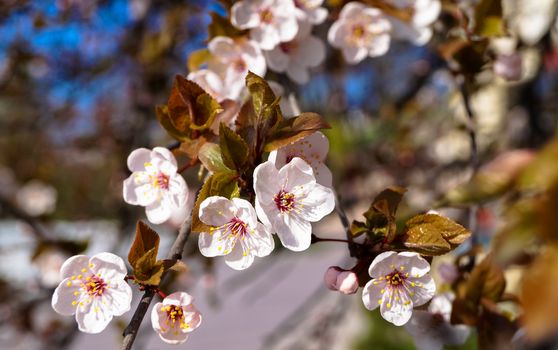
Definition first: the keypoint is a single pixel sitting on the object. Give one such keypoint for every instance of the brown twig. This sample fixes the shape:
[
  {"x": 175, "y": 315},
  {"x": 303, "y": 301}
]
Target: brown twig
[
  {"x": 175, "y": 252},
  {"x": 346, "y": 224}
]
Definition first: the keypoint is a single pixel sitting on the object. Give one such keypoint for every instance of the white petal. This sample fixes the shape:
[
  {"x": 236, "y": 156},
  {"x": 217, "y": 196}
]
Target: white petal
[
  {"x": 336, "y": 34},
  {"x": 352, "y": 9},
  {"x": 164, "y": 154},
  {"x": 91, "y": 321},
  {"x": 323, "y": 174},
  {"x": 294, "y": 232},
  {"x": 243, "y": 15},
  {"x": 178, "y": 298},
  {"x": 297, "y": 174},
  {"x": 209, "y": 244},
  {"x": 137, "y": 159},
  {"x": 178, "y": 190},
  {"x": 64, "y": 296},
  {"x": 264, "y": 243},
  {"x": 129, "y": 190},
  {"x": 110, "y": 266},
  {"x": 380, "y": 46},
  {"x": 174, "y": 338},
  {"x": 372, "y": 292},
  {"x": 319, "y": 202},
  {"x": 267, "y": 182},
  {"x": 262, "y": 215},
  {"x": 265, "y": 36},
  {"x": 414, "y": 264},
  {"x": 426, "y": 14},
  {"x": 222, "y": 47},
  {"x": 396, "y": 307},
  {"x": 145, "y": 194},
  {"x": 157, "y": 317},
  {"x": 277, "y": 60},
  {"x": 119, "y": 297},
  {"x": 311, "y": 52},
  {"x": 158, "y": 212},
  {"x": 287, "y": 29},
  {"x": 423, "y": 290},
  {"x": 217, "y": 211},
  {"x": 380, "y": 266},
  {"x": 354, "y": 55},
  {"x": 237, "y": 259},
  {"x": 73, "y": 266},
  {"x": 318, "y": 15},
  {"x": 245, "y": 212}
]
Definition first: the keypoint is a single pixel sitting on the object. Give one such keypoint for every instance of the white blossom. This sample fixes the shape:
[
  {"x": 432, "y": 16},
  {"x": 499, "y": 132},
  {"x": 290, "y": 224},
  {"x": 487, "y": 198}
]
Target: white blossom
[
  {"x": 154, "y": 183},
  {"x": 211, "y": 82},
  {"x": 37, "y": 198},
  {"x": 400, "y": 281},
  {"x": 360, "y": 31},
  {"x": 432, "y": 329},
  {"x": 311, "y": 11},
  {"x": 419, "y": 29},
  {"x": 231, "y": 59},
  {"x": 235, "y": 232},
  {"x": 313, "y": 150},
  {"x": 289, "y": 199},
  {"x": 175, "y": 318},
  {"x": 93, "y": 289},
  {"x": 297, "y": 56},
  {"x": 270, "y": 21}
]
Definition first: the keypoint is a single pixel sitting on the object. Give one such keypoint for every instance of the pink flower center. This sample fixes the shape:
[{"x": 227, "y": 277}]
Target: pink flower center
[
  {"x": 95, "y": 286},
  {"x": 284, "y": 201},
  {"x": 358, "y": 31},
  {"x": 175, "y": 316},
  {"x": 161, "y": 181},
  {"x": 237, "y": 227},
  {"x": 239, "y": 65},
  {"x": 396, "y": 279},
  {"x": 288, "y": 47},
  {"x": 266, "y": 16}
]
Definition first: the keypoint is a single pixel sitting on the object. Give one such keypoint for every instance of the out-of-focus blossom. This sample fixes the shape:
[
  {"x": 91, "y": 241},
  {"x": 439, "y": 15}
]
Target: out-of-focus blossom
[
  {"x": 448, "y": 272},
  {"x": 530, "y": 20},
  {"x": 37, "y": 198},
  {"x": 360, "y": 31},
  {"x": 175, "y": 318},
  {"x": 297, "y": 56},
  {"x": 509, "y": 67},
  {"x": 400, "y": 282},
  {"x": 231, "y": 60},
  {"x": 418, "y": 30},
  {"x": 270, "y": 21},
  {"x": 311, "y": 11},
  {"x": 179, "y": 214},
  {"x": 154, "y": 183},
  {"x": 341, "y": 280},
  {"x": 288, "y": 200},
  {"x": 211, "y": 82},
  {"x": 289, "y": 104},
  {"x": 313, "y": 150},
  {"x": 94, "y": 290},
  {"x": 49, "y": 263},
  {"x": 235, "y": 232},
  {"x": 432, "y": 329}
]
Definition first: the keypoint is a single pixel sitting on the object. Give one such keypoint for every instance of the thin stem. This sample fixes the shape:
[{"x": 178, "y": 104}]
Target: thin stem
[
  {"x": 346, "y": 224},
  {"x": 188, "y": 165},
  {"x": 317, "y": 239},
  {"x": 175, "y": 252}
]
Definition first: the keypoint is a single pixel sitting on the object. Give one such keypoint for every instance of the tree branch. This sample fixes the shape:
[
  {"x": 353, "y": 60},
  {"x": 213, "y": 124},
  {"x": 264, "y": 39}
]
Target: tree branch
[
  {"x": 346, "y": 224},
  {"x": 175, "y": 252}
]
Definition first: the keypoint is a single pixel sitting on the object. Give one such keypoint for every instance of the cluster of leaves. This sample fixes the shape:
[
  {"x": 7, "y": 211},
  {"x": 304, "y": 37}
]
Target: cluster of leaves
[
  {"x": 147, "y": 269},
  {"x": 230, "y": 152}
]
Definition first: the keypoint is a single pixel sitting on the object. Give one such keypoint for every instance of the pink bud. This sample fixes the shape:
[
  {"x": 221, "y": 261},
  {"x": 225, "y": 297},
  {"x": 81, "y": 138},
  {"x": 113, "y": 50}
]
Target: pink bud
[
  {"x": 347, "y": 282},
  {"x": 330, "y": 277}
]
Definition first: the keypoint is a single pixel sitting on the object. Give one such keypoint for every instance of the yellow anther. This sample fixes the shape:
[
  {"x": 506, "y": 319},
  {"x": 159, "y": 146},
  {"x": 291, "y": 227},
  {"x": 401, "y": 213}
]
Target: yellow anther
[
  {"x": 83, "y": 270},
  {"x": 69, "y": 284},
  {"x": 74, "y": 303}
]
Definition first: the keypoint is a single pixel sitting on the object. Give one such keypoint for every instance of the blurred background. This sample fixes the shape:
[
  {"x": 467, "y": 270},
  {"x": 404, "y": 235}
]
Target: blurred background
[{"x": 79, "y": 82}]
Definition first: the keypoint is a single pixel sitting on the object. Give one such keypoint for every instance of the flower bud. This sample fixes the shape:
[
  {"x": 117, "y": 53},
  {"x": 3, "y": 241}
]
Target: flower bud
[
  {"x": 347, "y": 282},
  {"x": 330, "y": 277}
]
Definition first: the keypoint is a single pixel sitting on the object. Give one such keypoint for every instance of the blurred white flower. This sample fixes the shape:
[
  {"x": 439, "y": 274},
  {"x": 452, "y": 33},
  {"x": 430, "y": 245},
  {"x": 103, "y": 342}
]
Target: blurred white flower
[
  {"x": 311, "y": 11},
  {"x": 418, "y": 30},
  {"x": 270, "y": 21},
  {"x": 93, "y": 289},
  {"x": 235, "y": 232},
  {"x": 313, "y": 150},
  {"x": 289, "y": 104},
  {"x": 509, "y": 67},
  {"x": 211, "y": 82},
  {"x": 297, "y": 56},
  {"x": 432, "y": 329},
  {"x": 37, "y": 198},
  {"x": 154, "y": 183},
  {"x": 231, "y": 60},
  {"x": 179, "y": 214},
  {"x": 400, "y": 282},
  {"x": 288, "y": 200},
  {"x": 49, "y": 264},
  {"x": 175, "y": 318},
  {"x": 529, "y": 19},
  {"x": 360, "y": 31}
]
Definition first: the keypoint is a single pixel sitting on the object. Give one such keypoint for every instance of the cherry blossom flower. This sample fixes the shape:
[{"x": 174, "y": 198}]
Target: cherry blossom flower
[
  {"x": 296, "y": 56},
  {"x": 235, "y": 232},
  {"x": 311, "y": 11},
  {"x": 432, "y": 329},
  {"x": 154, "y": 183},
  {"x": 175, "y": 318},
  {"x": 37, "y": 198},
  {"x": 313, "y": 150},
  {"x": 359, "y": 32},
  {"x": 288, "y": 200},
  {"x": 270, "y": 21},
  {"x": 341, "y": 280},
  {"x": 211, "y": 82},
  {"x": 93, "y": 289},
  {"x": 231, "y": 60},
  {"x": 418, "y": 30},
  {"x": 400, "y": 281}
]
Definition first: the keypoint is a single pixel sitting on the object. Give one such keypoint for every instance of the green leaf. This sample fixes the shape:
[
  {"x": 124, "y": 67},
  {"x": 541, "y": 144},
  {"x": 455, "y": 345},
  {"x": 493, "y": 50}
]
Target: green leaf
[
  {"x": 218, "y": 184},
  {"x": 197, "y": 58},
  {"x": 234, "y": 149},
  {"x": 221, "y": 26},
  {"x": 207, "y": 109},
  {"x": 163, "y": 117},
  {"x": 146, "y": 269},
  {"x": 489, "y": 20},
  {"x": 358, "y": 228},
  {"x": 262, "y": 95},
  {"x": 431, "y": 234},
  {"x": 146, "y": 240},
  {"x": 294, "y": 129},
  {"x": 210, "y": 156}
]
